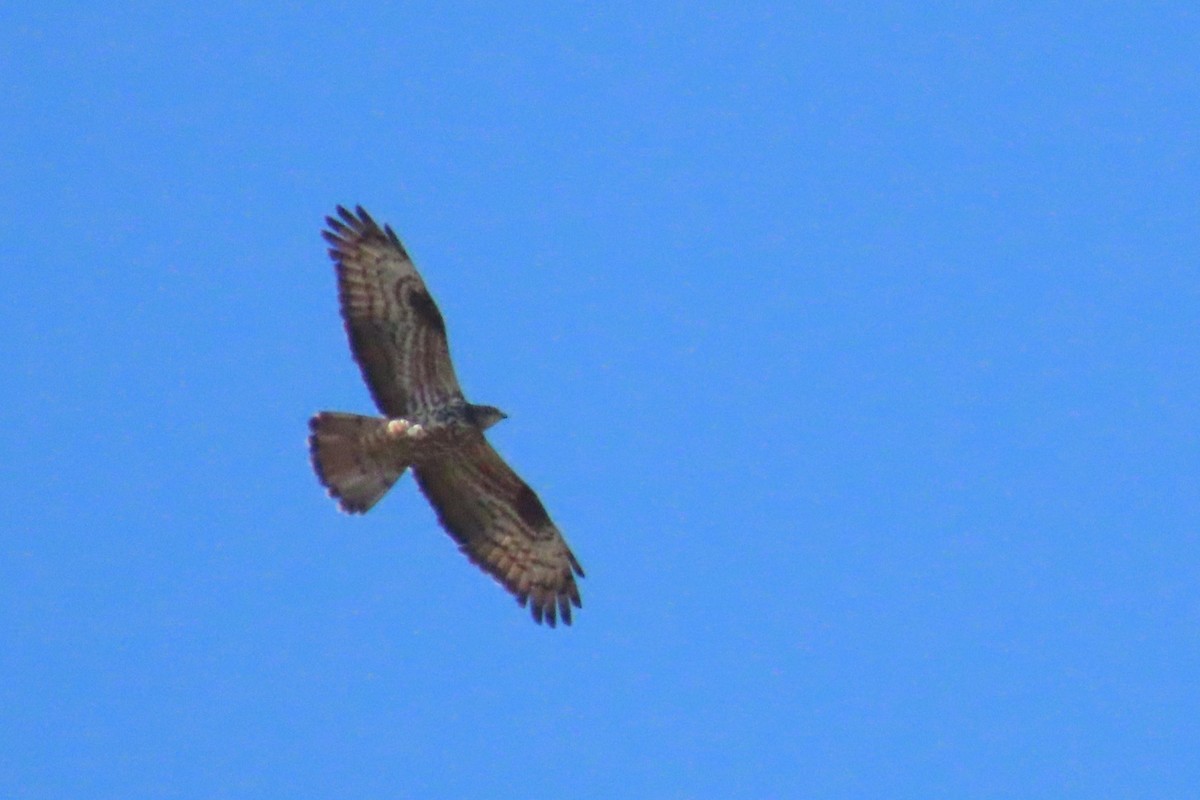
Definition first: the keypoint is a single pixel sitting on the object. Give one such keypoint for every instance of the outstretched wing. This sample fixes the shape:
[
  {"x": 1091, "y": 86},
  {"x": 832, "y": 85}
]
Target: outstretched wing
[
  {"x": 500, "y": 524},
  {"x": 396, "y": 332}
]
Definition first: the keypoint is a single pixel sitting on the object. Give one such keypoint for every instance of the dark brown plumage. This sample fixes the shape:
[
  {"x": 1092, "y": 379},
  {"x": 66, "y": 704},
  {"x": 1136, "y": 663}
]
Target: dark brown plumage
[{"x": 398, "y": 337}]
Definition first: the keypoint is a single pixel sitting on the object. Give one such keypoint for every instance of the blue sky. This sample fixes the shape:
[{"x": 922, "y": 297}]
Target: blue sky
[{"x": 852, "y": 346}]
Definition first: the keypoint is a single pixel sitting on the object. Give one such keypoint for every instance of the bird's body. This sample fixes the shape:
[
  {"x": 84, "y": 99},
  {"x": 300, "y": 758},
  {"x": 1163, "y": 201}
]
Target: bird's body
[{"x": 398, "y": 338}]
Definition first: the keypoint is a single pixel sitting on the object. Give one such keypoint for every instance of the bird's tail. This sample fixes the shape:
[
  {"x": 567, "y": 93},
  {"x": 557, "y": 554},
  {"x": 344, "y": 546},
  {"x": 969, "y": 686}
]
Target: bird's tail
[{"x": 354, "y": 458}]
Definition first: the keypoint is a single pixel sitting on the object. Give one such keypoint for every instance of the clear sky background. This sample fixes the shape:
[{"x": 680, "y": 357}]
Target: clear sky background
[{"x": 852, "y": 346}]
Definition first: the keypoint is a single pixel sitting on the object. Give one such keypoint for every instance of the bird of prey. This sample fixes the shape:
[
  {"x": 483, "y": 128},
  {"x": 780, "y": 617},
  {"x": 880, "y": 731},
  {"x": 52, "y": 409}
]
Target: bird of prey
[{"x": 398, "y": 338}]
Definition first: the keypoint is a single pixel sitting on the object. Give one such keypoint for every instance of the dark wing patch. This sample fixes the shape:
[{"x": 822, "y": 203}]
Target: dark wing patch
[
  {"x": 530, "y": 508},
  {"x": 396, "y": 332},
  {"x": 427, "y": 311},
  {"x": 501, "y": 526}
]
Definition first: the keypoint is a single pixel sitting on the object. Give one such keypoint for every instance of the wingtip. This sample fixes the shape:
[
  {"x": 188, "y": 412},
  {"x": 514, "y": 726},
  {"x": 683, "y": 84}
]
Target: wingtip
[
  {"x": 552, "y": 609},
  {"x": 365, "y": 219}
]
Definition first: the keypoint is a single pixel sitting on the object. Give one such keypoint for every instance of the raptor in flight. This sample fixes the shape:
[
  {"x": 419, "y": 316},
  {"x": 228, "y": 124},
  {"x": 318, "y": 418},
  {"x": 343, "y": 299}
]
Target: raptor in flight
[{"x": 398, "y": 338}]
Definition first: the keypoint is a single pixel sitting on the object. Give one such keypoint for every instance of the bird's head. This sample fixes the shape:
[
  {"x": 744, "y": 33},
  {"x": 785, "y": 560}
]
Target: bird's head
[{"x": 485, "y": 416}]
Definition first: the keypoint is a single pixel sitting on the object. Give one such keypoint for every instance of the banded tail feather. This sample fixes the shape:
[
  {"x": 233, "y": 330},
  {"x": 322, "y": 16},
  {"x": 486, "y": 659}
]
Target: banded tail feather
[{"x": 354, "y": 458}]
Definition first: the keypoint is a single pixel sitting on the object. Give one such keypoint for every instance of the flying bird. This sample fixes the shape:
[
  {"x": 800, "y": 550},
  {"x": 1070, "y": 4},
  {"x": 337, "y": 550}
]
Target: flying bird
[{"x": 398, "y": 338}]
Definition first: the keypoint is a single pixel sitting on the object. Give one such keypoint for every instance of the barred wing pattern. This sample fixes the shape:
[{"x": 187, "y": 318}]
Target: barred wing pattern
[
  {"x": 501, "y": 525},
  {"x": 398, "y": 338},
  {"x": 396, "y": 332}
]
